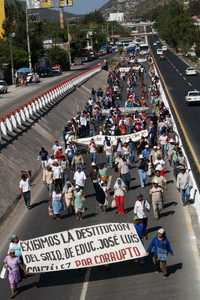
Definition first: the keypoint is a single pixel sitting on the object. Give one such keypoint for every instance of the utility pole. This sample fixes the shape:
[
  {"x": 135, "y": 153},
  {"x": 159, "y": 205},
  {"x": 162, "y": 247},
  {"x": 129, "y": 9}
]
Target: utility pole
[
  {"x": 62, "y": 25},
  {"x": 28, "y": 40},
  {"x": 69, "y": 44},
  {"x": 11, "y": 56}
]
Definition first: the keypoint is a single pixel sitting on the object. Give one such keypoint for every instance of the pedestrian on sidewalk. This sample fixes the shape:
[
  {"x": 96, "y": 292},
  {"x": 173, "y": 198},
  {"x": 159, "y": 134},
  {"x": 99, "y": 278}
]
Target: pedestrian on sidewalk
[
  {"x": 159, "y": 248},
  {"x": 25, "y": 189}
]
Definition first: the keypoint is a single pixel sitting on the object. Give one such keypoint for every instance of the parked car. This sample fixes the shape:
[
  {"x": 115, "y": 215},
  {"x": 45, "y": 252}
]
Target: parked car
[
  {"x": 190, "y": 71},
  {"x": 193, "y": 96},
  {"x": 164, "y": 48},
  {"x": 3, "y": 87},
  {"x": 159, "y": 52}
]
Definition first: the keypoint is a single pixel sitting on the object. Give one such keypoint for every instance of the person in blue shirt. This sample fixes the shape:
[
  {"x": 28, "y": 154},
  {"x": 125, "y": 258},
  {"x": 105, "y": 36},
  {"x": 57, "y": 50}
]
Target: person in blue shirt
[
  {"x": 139, "y": 227},
  {"x": 159, "y": 248},
  {"x": 146, "y": 152}
]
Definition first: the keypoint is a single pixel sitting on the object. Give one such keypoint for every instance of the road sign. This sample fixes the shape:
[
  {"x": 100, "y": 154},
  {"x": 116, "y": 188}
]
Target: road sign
[
  {"x": 63, "y": 3},
  {"x": 36, "y": 4}
]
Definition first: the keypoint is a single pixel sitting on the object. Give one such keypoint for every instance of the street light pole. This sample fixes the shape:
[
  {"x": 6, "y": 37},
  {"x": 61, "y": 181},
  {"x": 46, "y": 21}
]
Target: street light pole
[
  {"x": 11, "y": 57},
  {"x": 28, "y": 40},
  {"x": 69, "y": 44}
]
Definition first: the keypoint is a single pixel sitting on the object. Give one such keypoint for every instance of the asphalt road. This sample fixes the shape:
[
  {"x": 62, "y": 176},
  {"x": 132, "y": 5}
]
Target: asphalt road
[
  {"x": 173, "y": 71},
  {"x": 20, "y": 96},
  {"x": 129, "y": 280}
]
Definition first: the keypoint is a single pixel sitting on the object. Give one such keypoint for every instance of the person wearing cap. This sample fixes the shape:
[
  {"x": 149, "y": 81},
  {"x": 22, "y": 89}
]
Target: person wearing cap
[
  {"x": 146, "y": 152},
  {"x": 142, "y": 170},
  {"x": 156, "y": 197},
  {"x": 159, "y": 248},
  {"x": 161, "y": 180},
  {"x": 13, "y": 264},
  {"x": 183, "y": 184},
  {"x": 15, "y": 245},
  {"x": 141, "y": 209}
]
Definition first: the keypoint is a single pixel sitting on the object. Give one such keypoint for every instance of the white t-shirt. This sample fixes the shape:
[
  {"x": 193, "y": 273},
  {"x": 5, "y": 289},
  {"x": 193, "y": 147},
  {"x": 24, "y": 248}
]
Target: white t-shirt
[
  {"x": 24, "y": 185},
  {"x": 140, "y": 208},
  {"x": 56, "y": 172},
  {"x": 163, "y": 139},
  {"x": 79, "y": 178}
]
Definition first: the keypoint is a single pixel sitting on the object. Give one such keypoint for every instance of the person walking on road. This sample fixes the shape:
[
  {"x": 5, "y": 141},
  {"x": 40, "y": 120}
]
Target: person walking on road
[
  {"x": 25, "y": 189},
  {"x": 159, "y": 248},
  {"x": 184, "y": 185},
  {"x": 156, "y": 196},
  {"x": 119, "y": 196},
  {"x": 57, "y": 203},
  {"x": 142, "y": 170},
  {"x": 13, "y": 264},
  {"x": 141, "y": 209}
]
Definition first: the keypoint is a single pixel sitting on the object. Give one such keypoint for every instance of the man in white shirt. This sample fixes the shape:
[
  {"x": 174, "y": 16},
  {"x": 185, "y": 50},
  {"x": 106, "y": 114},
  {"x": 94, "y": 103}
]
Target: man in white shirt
[
  {"x": 141, "y": 208},
  {"x": 80, "y": 178},
  {"x": 184, "y": 185},
  {"x": 25, "y": 190},
  {"x": 57, "y": 175}
]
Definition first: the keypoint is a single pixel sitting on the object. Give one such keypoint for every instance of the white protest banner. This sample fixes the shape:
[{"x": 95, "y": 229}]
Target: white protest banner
[
  {"x": 124, "y": 69},
  {"x": 82, "y": 247},
  {"x": 125, "y": 110},
  {"x": 99, "y": 139}
]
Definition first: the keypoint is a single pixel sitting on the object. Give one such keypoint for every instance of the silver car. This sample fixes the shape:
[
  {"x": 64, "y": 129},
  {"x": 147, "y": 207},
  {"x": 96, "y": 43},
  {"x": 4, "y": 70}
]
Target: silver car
[{"x": 3, "y": 87}]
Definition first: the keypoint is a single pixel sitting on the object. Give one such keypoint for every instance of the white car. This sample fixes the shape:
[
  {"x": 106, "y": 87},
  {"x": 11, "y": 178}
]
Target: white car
[
  {"x": 164, "y": 48},
  {"x": 3, "y": 87},
  {"x": 159, "y": 52},
  {"x": 190, "y": 71},
  {"x": 193, "y": 96}
]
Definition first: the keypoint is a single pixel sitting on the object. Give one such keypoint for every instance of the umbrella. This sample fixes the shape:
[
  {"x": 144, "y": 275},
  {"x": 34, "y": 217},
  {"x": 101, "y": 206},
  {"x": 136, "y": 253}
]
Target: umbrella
[{"x": 24, "y": 70}]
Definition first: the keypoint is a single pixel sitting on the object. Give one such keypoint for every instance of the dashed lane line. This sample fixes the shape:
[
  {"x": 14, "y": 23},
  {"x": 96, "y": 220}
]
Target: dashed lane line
[{"x": 85, "y": 285}]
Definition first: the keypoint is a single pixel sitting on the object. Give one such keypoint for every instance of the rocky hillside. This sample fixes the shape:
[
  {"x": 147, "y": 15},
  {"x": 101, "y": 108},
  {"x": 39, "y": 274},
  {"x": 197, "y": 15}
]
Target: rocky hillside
[{"x": 131, "y": 8}]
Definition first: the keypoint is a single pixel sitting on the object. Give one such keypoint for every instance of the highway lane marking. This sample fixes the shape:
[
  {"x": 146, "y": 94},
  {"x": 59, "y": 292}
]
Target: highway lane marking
[
  {"x": 186, "y": 136},
  {"x": 85, "y": 285}
]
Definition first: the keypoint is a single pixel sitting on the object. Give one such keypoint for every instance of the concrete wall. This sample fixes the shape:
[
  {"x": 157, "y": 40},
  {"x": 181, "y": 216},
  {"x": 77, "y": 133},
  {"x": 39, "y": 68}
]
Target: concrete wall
[{"x": 22, "y": 153}]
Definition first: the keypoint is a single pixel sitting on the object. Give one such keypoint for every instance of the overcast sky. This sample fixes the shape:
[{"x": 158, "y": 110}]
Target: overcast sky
[{"x": 84, "y": 6}]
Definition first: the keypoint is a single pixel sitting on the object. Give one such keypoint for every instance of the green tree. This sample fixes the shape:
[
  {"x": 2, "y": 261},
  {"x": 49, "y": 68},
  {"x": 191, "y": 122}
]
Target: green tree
[{"x": 59, "y": 56}]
